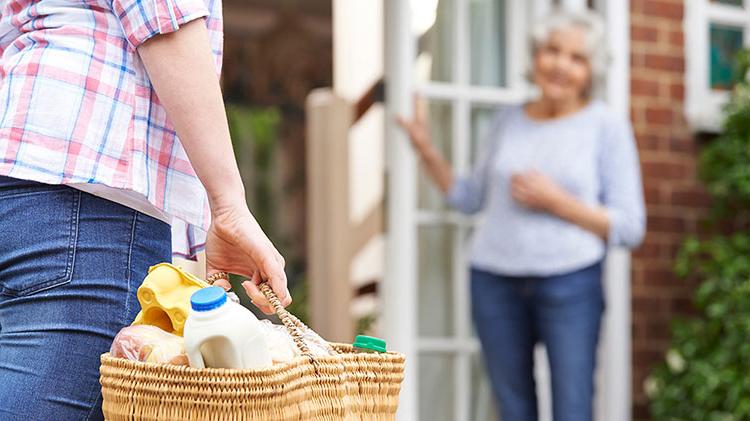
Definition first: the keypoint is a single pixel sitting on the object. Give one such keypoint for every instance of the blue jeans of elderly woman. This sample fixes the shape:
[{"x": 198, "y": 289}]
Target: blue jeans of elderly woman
[{"x": 563, "y": 312}]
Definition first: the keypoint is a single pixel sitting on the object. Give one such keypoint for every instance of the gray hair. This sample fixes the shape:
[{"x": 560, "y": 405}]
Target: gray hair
[{"x": 596, "y": 40}]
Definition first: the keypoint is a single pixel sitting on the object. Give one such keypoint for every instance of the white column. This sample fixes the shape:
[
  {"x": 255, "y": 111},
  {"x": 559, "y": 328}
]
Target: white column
[
  {"x": 614, "y": 402},
  {"x": 399, "y": 287},
  {"x": 460, "y": 151}
]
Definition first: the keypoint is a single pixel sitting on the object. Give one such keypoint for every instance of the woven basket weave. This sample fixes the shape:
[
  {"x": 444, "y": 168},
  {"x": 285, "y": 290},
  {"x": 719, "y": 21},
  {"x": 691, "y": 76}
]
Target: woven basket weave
[{"x": 348, "y": 386}]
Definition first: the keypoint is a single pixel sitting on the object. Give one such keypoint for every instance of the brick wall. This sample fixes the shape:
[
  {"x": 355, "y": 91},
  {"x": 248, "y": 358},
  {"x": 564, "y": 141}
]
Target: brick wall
[{"x": 675, "y": 201}]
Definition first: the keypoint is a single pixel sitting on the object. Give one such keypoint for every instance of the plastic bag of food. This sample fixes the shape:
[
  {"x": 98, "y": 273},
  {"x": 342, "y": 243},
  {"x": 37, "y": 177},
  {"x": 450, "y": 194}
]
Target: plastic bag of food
[
  {"x": 282, "y": 346},
  {"x": 317, "y": 345},
  {"x": 149, "y": 344}
]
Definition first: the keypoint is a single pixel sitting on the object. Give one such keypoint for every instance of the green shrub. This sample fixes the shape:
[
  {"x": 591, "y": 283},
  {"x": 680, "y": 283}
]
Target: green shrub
[{"x": 706, "y": 372}]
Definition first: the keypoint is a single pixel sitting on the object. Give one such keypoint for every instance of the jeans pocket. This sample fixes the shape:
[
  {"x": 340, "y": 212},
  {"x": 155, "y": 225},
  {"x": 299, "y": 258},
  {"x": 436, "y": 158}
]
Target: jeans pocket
[{"x": 38, "y": 232}]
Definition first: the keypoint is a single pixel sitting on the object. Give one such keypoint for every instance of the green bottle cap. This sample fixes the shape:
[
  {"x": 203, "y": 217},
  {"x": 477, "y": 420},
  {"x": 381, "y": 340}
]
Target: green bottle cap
[{"x": 369, "y": 342}]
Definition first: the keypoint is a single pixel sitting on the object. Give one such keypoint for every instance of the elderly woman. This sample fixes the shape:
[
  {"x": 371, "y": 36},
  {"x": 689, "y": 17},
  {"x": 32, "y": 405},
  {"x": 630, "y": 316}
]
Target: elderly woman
[{"x": 558, "y": 182}]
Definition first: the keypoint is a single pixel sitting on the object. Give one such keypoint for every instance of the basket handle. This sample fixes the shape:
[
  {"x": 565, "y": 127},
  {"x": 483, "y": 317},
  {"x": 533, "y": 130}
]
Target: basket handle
[{"x": 292, "y": 323}]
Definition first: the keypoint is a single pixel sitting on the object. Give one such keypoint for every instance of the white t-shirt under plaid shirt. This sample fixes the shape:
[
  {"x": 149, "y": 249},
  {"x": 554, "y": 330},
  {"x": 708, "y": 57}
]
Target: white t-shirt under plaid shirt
[{"x": 77, "y": 106}]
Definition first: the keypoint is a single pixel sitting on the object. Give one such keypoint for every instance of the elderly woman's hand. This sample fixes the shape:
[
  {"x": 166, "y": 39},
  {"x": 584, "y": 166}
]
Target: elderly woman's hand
[
  {"x": 537, "y": 191},
  {"x": 237, "y": 244},
  {"x": 417, "y": 128}
]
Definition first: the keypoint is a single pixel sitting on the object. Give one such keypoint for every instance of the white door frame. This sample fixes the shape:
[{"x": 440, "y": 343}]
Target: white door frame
[{"x": 399, "y": 288}]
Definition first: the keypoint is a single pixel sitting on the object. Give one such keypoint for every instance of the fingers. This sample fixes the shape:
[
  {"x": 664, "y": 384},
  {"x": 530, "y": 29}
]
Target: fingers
[
  {"x": 277, "y": 280},
  {"x": 519, "y": 194},
  {"x": 519, "y": 189},
  {"x": 518, "y": 181},
  {"x": 410, "y": 127},
  {"x": 223, "y": 283},
  {"x": 404, "y": 123},
  {"x": 420, "y": 109},
  {"x": 257, "y": 297}
]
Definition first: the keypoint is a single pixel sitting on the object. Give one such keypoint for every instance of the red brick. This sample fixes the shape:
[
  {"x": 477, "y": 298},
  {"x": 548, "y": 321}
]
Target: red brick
[
  {"x": 643, "y": 87},
  {"x": 648, "y": 143},
  {"x": 648, "y": 248},
  {"x": 648, "y": 356},
  {"x": 659, "y": 328},
  {"x": 640, "y": 411},
  {"x": 663, "y": 277},
  {"x": 677, "y": 203},
  {"x": 643, "y": 33},
  {"x": 646, "y": 305},
  {"x": 677, "y": 91},
  {"x": 667, "y": 9},
  {"x": 652, "y": 194},
  {"x": 677, "y": 39},
  {"x": 664, "y": 63},
  {"x": 684, "y": 146},
  {"x": 659, "y": 116},
  {"x": 664, "y": 170},
  {"x": 697, "y": 198},
  {"x": 635, "y": 6},
  {"x": 665, "y": 223}
]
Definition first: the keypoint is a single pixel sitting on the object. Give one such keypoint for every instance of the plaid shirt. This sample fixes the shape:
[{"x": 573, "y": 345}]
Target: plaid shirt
[{"x": 76, "y": 104}]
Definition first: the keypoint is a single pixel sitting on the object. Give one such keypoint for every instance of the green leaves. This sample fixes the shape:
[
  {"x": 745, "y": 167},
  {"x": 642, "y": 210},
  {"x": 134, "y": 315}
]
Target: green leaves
[{"x": 706, "y": 373}]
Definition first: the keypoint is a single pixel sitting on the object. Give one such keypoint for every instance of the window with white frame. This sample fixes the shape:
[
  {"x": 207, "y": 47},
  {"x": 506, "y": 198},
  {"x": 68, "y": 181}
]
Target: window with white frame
[
  {"x": 464, "y": 75},
  {"x": 715, "y": 30}
]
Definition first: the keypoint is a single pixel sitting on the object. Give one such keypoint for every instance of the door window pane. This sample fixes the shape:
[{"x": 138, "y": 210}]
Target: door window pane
[
  {"x": 488, "y": 42},
  {"x": 439, "y": 115},
  {"x": 436, "y": 387},
  {"x": 435, "y": 280},
  {"x": 726, "y": 41},
  {"x": 433, "y": 21},
  {"x": 481, "y": 122},
  {"x": 482, "y": 400}
]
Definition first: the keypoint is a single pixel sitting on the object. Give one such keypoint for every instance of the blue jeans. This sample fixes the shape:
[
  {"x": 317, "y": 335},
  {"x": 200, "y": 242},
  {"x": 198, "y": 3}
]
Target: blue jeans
[
  {"x": 70, "y": 264},
  {"x": 564, "y": 312}
]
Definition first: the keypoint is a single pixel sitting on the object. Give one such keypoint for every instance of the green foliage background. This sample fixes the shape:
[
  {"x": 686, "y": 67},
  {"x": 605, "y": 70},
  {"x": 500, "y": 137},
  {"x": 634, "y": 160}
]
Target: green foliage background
[{"x": 706, "y": 373}]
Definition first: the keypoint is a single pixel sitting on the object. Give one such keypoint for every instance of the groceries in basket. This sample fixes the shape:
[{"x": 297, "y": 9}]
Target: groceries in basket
[
  {"x": 308, "y": 379},
  {"x": 149, "y": 344},
  {"x": 218, "y": 331},
  {"x": 164, "y": 296},
  {"x": 368, "y": 344},
  {"x": 223, "y": 334}
]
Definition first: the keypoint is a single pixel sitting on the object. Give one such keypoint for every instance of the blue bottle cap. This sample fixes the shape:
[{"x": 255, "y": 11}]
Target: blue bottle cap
[{"x": 208, "y": 299}]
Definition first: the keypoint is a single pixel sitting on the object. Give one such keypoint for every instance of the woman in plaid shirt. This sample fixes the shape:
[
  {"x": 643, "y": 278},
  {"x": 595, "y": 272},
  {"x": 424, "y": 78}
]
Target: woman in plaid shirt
[{"x": 93, "y": 97}]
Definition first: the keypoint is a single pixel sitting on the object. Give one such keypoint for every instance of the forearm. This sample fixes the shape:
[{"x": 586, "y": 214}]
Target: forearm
[
  {"x": 437, "y": 167},
  {"x": 593, "y": 219},
  {"x": 182, "y": 70}
]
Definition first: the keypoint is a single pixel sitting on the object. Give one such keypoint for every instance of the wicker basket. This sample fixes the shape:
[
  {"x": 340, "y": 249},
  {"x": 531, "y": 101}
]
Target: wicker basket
[{"x": 348, "y": 386}]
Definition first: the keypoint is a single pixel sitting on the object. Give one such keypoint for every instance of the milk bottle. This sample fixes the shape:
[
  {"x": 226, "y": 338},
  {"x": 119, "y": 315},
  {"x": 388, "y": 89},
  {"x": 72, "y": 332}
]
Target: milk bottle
[{"x": 223, "y": 334}]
